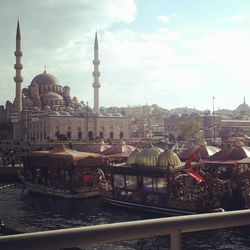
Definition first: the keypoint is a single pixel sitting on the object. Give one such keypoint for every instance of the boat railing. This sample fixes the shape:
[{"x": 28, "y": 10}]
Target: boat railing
[{"x": 101, "y": 234}]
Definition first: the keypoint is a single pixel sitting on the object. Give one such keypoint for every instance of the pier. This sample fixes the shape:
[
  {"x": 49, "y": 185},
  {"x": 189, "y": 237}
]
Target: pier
[{"x": 9, "y": 174}]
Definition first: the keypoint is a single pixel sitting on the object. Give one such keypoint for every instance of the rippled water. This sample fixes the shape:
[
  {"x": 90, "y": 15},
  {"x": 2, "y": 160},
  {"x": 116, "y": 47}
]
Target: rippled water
[{"x": 30, "y": 213}]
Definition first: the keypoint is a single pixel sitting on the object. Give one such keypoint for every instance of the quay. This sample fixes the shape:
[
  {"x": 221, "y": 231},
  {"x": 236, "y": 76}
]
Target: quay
[
  {"x": 9, "y": 173},
  {"x": 100, "y": 234}
]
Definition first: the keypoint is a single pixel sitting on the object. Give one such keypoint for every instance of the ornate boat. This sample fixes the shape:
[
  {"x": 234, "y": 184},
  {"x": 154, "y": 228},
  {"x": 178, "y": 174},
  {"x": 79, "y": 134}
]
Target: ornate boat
[
  {"x": 232, "y": 165},
  {"x": 63, "y": 172},
  {"x": 157, "y": 181}
]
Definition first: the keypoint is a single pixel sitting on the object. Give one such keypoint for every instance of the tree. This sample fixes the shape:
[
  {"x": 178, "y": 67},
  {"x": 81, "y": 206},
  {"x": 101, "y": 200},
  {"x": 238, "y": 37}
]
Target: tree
[{"x": 190, "y": 128}]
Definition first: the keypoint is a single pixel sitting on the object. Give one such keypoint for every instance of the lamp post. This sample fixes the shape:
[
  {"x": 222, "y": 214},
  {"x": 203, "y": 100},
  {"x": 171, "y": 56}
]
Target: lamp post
[
  {"x": 87, "y": 122},
  {"x": 213, "y": 120}
]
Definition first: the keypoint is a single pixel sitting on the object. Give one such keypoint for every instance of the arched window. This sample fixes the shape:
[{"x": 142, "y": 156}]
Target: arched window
[
  {"x": 111, "y": 135},
  {"x": 121, "y": 135},
  {"x": 91, "y": 135},
  {"x": 101, "y": 134}
]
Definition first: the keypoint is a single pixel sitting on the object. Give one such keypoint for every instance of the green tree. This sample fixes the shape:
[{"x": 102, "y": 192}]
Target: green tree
[{"x": 190, "y": 128}]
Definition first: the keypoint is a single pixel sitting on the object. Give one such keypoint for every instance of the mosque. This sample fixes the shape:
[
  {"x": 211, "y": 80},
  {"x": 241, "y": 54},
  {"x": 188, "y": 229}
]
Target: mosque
[{"x": 45, "y": 109}]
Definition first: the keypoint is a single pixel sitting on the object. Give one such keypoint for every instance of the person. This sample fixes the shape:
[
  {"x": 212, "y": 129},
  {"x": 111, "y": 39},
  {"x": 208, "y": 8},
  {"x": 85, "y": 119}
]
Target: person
[{"x": 12, "y": 161}]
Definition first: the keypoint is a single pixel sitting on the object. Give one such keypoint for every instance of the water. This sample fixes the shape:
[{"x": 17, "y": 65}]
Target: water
[{"x": 31, "y": 213}]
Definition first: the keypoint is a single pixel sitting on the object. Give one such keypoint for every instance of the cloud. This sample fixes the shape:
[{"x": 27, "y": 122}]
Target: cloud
[
  {"x": 168, "y": 66},
  {"x": 166, "y": 19},
  {"x": 163, "y": 19},
  {"x": 58, "y": 33},
  {"x": 235, "y": 18}
]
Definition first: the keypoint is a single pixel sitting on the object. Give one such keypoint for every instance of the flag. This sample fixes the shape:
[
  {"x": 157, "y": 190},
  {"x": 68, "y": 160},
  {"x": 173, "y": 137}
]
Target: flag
[
  {"x": 195, "y": 175},
  {"x": 192, "y": 158}
]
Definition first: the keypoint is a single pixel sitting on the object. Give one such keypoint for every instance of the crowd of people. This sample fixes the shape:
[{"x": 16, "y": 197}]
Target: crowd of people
[{"x": 12, "y": 152}]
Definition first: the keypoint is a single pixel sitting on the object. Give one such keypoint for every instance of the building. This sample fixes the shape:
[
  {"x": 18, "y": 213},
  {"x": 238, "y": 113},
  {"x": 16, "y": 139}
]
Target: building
[{"x": 45, "y": 109}]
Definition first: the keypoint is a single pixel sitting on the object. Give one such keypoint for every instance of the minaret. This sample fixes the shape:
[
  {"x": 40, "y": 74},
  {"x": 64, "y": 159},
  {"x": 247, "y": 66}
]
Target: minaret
[
  {"x": 18, "y": 67},
  {"x": 96, "y": 74}
]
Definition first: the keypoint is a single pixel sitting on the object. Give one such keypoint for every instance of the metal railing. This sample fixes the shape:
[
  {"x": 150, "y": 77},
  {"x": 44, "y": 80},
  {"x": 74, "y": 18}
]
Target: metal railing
[{"x": 100, "y": 234}]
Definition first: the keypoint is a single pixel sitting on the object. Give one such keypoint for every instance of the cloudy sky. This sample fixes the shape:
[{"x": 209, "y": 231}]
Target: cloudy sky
[{"x": 173, "y": 53}]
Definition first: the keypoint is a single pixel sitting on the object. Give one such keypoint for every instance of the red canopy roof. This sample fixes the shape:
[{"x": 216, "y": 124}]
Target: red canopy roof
[
  {"x": 119, "y": 148},
  {"x": 202, "y": 151},
  {"x": 98, "y": 148},
  {"x": 231, "y": 153}
]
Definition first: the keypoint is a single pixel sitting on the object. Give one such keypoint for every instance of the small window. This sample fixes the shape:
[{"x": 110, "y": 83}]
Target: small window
[
  {"x": 111, "y": 135},
  {"x": 118, "y": 181},
  {"x": 121, "y": 135},
  {"x": 148, "y": 184},
  {"x": 79, "y": 135},
  {"x": 131, "y": 182},
  {"x": 161, "y": 185},
  {"x": 69, "y": 135}
]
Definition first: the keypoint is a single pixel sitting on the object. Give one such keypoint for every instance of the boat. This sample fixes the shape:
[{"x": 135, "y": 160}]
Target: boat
[
  {"x": 63, "y": 172},
  {"x": 232, "y": 165},
  {"x": 157, "y": 181}
]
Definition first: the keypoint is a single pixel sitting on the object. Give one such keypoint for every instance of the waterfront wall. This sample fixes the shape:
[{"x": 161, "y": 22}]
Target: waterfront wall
[{"x": 9, "y": 174}]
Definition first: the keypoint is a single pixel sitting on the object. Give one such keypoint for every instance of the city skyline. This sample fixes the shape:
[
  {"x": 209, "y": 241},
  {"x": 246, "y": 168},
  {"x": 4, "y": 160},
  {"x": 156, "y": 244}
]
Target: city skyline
[{"x": 172, "y": 53}]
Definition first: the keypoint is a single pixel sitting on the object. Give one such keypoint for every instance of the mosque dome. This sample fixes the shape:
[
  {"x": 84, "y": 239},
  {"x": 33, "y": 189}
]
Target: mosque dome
[
  {"x": 148, "y": 157},
  {"x": 50, "y": 95},
  {"x": 77, "y": 104},
  {"x": 243, "y": 108},
  {"x": 45, "y": 79},
  {"x": 168, "y": 158},
  {"x": 47, "y": 108}
]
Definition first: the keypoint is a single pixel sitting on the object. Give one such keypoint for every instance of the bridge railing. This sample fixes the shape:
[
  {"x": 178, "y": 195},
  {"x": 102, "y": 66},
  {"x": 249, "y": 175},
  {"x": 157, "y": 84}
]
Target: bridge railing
[{"x": 101, "y": 234}]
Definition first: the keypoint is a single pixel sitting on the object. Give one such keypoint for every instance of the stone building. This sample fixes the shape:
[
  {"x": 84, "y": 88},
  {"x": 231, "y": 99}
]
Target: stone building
[{"x": 45, "y": 109}]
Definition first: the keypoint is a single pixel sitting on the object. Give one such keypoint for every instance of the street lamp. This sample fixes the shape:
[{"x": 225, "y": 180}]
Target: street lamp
[
  {"x": 87, "y": 122},
  {"x": 213, "y": 119}
]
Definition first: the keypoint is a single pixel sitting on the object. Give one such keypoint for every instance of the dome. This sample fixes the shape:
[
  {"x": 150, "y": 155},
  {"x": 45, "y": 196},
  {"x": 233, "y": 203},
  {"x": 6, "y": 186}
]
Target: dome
[
  {"x": 168, "y": 158},
  {"x": 132, "y": 158},
  {"x": 45, "y": 79},
  {"x": 50, "y": 95},
  {"x": 243, "y": 108},
  {"x": 148, "y": 157},
  {"x": 47, "y": 108},
  {"x": 117, "y": 114},
  {"x": 77, "y": 104}
]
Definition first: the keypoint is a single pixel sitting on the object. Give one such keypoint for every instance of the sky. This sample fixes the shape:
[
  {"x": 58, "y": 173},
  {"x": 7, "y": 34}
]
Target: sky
[{"x": 173, "y": 53}]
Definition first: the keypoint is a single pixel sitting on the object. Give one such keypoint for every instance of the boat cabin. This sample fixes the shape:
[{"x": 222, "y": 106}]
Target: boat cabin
[
  {"x": 156, "y": 180},
  {"x": 63, "y": 172}
]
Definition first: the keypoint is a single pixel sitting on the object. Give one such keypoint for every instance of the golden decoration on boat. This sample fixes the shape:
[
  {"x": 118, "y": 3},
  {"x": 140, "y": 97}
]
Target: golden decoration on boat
[
  {"x": 168, "y": 158},
  {"x": 203, "y": 143},
  {"x": 148, "y": 157},
  {"x": 122, "y": 142},
  {"x": 239, "y": 143}
]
